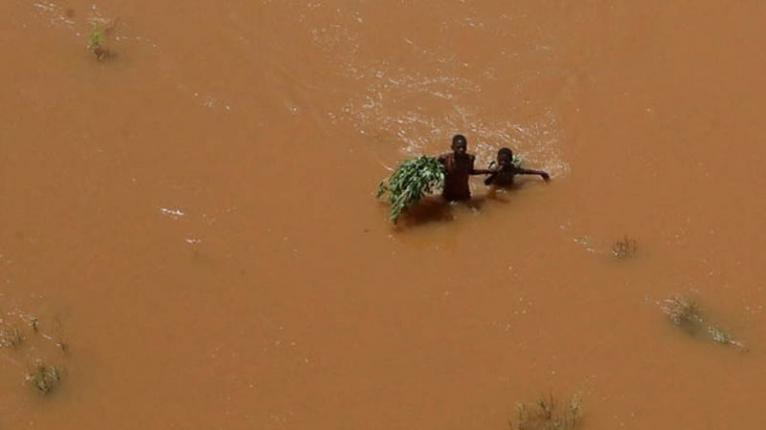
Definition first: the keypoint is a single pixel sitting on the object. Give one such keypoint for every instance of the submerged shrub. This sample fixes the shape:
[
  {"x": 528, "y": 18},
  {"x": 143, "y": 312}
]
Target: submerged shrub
[
  {"x": 546, "y": 414},
  {"x": 97, "y": 40},
  {"x": 34, "y": 324},
  {"x": 624, "y": 248},
  {"x": 683, "y": 312},
  {"x": 44, "y": 378},
  {"x": 10, "y": 337},
  {"x": 412, "y": 180}
]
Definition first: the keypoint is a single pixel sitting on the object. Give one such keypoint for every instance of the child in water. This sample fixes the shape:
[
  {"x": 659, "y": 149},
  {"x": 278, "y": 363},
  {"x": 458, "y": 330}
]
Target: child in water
[
  {"x": 504, "y": 170},
  {"x": 458, "y": 166}
]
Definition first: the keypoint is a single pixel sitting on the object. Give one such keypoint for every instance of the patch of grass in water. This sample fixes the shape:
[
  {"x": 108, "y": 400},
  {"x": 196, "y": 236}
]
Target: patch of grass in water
[
  {"x": 10, "y": 337},
  {"x": 723, "y": 337},
  {"x": 625, "y": 248},
  {"x": 98, "y": 40},
  {"x": 547, "y": 414},
  {"x": 684, "y": 313},
  {"x": 44, "y": 377},
  {"x": 34, "y": 324}
]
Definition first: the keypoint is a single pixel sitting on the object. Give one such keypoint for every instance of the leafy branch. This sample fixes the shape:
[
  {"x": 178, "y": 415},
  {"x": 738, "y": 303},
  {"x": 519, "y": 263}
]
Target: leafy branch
[{"x": 412, "y": 180}]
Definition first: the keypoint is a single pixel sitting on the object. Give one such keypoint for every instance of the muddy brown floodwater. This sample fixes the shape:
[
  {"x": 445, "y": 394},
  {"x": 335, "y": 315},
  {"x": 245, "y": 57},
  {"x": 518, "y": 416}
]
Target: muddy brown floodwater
[{"x": 194, "y": 216}]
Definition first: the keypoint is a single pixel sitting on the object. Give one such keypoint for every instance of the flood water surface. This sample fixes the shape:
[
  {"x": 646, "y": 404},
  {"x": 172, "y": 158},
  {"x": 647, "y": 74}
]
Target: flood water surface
[{"x": 189, "y": 229}]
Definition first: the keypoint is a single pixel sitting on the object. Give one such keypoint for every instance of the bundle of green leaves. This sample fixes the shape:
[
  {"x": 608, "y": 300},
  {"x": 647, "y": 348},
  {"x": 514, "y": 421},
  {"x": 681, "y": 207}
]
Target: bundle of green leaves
[{"x": 412, "y": 180}]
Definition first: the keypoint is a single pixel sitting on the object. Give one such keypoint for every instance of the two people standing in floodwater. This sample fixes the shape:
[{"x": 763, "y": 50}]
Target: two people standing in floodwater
[{"x": 459, "y": 166}]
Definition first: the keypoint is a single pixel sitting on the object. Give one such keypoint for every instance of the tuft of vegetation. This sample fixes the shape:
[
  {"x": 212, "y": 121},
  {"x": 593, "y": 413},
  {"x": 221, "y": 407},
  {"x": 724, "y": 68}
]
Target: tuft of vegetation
[
  {"x": 44, "y": 378},
  {"x": 684, "y": 313},
  {"x": 547, "y": 414},
  {"x": 624, "y": 248},
  {"x": 720, "y": 336},
  {"x": 412, "y": 180},
  {"x": 10, "y": 337},
  {"x": 34, "y": 324},
  {"x": 97, "y": 41}
]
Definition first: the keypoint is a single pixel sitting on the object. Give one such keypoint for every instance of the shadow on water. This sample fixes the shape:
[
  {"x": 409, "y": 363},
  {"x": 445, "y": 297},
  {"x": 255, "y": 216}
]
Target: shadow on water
[{"x": 434, "y": 209}]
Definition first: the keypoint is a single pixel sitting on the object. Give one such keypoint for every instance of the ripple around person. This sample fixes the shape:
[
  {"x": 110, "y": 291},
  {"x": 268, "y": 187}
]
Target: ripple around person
[{"x": 449, "y": 173}]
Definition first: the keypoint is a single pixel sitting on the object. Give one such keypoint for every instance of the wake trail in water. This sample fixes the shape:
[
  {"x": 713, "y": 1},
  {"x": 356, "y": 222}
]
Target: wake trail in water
[{"x": 418, "y": 107}]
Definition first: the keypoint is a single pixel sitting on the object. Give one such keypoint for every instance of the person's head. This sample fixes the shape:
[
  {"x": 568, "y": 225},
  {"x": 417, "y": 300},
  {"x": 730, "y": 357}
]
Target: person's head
[
  {"x": 459, "y": 144},
  {"x": 505, "y": 156}
]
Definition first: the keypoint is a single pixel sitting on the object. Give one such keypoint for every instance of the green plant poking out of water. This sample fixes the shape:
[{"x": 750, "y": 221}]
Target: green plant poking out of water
[
  {"x": 44, "y": 378},
  {"x": 97, "y": 42},
  {"x": 412, "y": 180},
  {"x": 546, "y": 414}
]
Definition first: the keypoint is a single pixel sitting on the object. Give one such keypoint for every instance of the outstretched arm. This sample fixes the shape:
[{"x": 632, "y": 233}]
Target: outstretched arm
[
  {"x": 473, "y": 171},
  {"x": 482, "y": 172},
  {"x": 490, "y": 179},
  {"x": 544, "y": 175}
]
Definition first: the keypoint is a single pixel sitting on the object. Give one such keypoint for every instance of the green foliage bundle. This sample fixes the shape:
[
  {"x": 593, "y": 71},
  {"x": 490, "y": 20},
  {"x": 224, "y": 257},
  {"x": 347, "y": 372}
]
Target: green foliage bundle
[{"x": 408, "y": 184}]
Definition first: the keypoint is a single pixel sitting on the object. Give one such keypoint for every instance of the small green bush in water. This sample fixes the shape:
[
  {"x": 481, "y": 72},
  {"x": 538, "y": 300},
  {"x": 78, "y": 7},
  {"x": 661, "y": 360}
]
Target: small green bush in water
[
  {"x": 96, "y": 38},
  {"x": 97, "y": 41},
  {"x": 412, "y": 180}
]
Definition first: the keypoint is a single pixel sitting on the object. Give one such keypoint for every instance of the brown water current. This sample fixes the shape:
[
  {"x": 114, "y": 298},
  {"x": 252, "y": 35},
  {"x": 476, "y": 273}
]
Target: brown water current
[{"x": 191, "y": 226}]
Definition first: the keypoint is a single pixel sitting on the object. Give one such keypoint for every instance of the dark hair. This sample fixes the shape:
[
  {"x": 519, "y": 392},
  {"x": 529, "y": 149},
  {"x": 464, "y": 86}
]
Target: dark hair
[
  {"x": 459, "y": 138},
  {"x": 506, "y": 151}
]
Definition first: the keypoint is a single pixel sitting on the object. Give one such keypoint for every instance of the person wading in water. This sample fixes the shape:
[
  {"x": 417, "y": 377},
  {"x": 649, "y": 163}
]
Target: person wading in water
[
  {"x": 502, "y": 173},
  {"x": 458, "y": 166}
]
